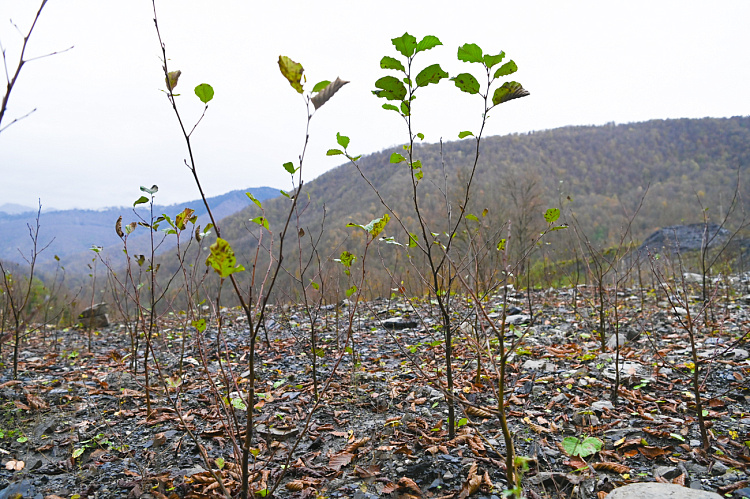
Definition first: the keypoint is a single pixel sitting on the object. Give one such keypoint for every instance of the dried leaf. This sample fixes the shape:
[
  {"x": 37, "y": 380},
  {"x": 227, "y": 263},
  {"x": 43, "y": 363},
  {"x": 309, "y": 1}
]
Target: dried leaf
[
  {"x": 36, "y": 403},
  {"x": 352, "y": 447},
  {"x": 338, "y": 461},
  {"x": 407, "y": 485},
  {"x": 613, "y": 467},
  {"x": 324, "y": 95},
  {"x": 480, "y": 413}
]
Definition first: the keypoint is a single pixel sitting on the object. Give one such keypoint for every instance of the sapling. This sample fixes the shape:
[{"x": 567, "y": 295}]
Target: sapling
[
  {"x": 222, "y": 258},
  {"x": 433, "y": 244}
]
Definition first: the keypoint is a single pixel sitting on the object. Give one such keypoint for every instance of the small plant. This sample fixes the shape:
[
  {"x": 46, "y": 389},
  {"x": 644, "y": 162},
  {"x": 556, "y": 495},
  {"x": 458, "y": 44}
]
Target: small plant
[{"x": 582, "y": 447}]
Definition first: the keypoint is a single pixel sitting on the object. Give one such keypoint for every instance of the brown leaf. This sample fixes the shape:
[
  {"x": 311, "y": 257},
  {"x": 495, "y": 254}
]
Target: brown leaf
[
  {"x": 613, "y": 467},
  {"x": 36, "y": 402},
  {"x": 338, "y": 461},
  {"x": 352, "y": 447},
  {"x": 407, "y": 485},
  {"x": 652, "y": 452},
  {"x": 322, "y": 97},
  {"x": 21, "y": 405},
  {"x": 295, "y": 485},
  {"x": 368, "y": 472},
  {"x": 480, "y": 413}
]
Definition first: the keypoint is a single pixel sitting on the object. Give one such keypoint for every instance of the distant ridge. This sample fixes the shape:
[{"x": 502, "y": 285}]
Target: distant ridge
[
  {"x": 75, "y": 231},
  {"x": 15, "y": 209}
]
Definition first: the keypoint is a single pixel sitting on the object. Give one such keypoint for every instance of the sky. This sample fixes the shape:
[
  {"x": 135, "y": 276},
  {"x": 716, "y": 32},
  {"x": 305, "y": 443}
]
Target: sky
[{"x": 103, "y": 126}]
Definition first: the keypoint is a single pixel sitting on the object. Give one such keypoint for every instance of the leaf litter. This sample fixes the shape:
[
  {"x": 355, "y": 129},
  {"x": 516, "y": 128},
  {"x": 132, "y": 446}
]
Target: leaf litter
[{"x": 76, "y": 422}]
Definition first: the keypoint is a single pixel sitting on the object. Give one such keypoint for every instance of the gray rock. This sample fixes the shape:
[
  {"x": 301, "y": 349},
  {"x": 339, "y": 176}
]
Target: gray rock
[
  {"x": 660, "y": 490},
  {"x": 684, "y": 238},
  {"x": 95, "y": 316},
  {"x": 399, "y": 323},
  {"x": 518, "y": 319}
]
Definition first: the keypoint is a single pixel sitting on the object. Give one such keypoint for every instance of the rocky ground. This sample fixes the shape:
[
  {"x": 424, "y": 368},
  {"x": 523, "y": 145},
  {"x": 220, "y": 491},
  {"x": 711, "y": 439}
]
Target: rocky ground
[{"x": 76, "y": 424}]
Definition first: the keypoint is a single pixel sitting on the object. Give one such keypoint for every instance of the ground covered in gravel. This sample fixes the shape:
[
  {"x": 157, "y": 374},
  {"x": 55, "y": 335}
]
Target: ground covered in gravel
[{"x": 75, "y": 423}]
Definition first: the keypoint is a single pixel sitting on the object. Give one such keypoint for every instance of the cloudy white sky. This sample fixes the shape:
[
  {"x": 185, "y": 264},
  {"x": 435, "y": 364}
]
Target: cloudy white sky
[{"x": 103, "y": 127}]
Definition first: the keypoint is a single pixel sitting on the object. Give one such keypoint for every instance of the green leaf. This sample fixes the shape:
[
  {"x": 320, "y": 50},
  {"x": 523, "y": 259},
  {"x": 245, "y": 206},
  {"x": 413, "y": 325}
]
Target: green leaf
[
  {"x": 420, "y": 135},
  {"x": 78, "y": 453},
  {"x": 391, "y": 63},
  {"x": 405, "y": 108},
  {"x": 289, "y": 167},
  {"x": 419, "y": 174},
  {"x": 416, "y": 165},
  {"x": 560, "y": 227},
  {"x": 461, "y": 135},
  {"x": 153, "y": 190},
  {"x": 413, "y": 240},
  {"x": 406, "y": 44},
  {"x": 501, "y": 245},
  {"x": 140, "y": 200},
  {"x": 551, "y": 215},
  {"x": 346, "y": 259},
  {"x": 205, "y": 92},
  {"x": 430, "y": 74},
  {"x": 254, "y": 199},
  {"x": 390, "y": 107},
  {"x": 491, "y": 60},
  {"x": 575, "y": 447},
  {"x": 220, "y": 460},
  {"x": 470, "y": 52},
  {"x": 506, "y": 69},
  {"x": 222, "y": 259},
  {"x": 292, "y": 71},
  {"x": 351, "y": 291},
  {"x": 329, "y": 152},
  {"x": 342, "y": 140},
  {"x": 262, "y": 221},
  {"x": 466, "y": 83},
  {"x": 377, "y": 225},
  {"x": 315, "y": 285},
  {"x": 427, "y": 43},
  {"x": 397, "y": 158},
  {"x": 320, "y": 86},
  {"x": 199, "y": 325},
  {"x": 391, "y": 88},
  {"x": 237, "y": 403},
  {"x": 462, "y": 422},
  {"x": 508, "y": 91},
  {"x": 470, "y": 216}
]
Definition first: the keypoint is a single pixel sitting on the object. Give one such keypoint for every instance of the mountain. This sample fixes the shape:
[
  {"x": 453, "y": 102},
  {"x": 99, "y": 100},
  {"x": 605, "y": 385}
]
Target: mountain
[
  {"x": 15, "y": 209},
  {"x": 71, "y": 233},
  {"x": 671, "y": 171}
]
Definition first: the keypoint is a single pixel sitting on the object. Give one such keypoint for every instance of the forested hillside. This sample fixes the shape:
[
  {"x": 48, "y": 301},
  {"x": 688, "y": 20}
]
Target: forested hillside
[{"x": 597, "y": 175}]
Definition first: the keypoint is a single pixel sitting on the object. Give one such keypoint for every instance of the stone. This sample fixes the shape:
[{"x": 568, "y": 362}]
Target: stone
[
  {"x": 518, "y": 319},
  {"x": 95, "y": 316},
  {"x": 662, "y": 490},
  {"x": 399, "y": 323}
]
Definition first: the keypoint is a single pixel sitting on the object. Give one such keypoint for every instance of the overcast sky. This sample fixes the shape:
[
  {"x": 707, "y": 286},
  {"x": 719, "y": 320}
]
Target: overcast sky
[{"x": 103, "y": 127}]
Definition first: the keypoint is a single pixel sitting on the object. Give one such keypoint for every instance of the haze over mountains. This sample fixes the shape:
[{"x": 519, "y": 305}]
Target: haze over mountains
[
  {"x": 599, "y": 173},
  {"x": 72, "y": 233}
]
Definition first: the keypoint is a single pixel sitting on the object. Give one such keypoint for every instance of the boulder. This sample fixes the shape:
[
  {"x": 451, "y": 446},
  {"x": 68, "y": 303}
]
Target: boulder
[
  {"x": 649, "y": 490},
  {"x": 95, "y": 316}
]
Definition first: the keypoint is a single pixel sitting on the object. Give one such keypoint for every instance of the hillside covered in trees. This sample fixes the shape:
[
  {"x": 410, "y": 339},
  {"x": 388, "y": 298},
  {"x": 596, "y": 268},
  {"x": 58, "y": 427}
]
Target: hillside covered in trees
[{"x": 680, "y": 170}]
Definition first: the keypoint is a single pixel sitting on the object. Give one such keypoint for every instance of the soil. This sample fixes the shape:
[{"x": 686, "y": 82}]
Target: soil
[{"x": 75, "y": 422}]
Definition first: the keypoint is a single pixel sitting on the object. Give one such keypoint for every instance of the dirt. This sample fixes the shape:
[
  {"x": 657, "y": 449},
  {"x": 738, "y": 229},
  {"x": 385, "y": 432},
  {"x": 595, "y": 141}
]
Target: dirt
[{"x": 76, "y": 424}]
